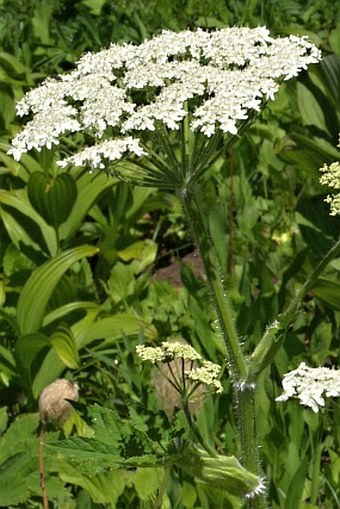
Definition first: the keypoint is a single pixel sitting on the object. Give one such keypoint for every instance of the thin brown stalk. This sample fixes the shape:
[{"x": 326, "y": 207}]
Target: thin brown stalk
[{"x": 42, "y": 468}]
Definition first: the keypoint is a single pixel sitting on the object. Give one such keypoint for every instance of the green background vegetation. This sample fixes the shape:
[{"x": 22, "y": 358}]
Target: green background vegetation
[{"x": 93, "y": 267}]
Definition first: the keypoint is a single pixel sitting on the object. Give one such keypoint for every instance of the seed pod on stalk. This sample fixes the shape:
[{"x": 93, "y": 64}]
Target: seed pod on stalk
[{"x": 54, "y": 407}]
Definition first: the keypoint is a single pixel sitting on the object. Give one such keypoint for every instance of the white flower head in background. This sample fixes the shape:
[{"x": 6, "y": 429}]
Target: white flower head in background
[
  {"x": 311, "y": 386},
  {"x": 331, "y": 178},
  {"x": 114, "y": 96}
]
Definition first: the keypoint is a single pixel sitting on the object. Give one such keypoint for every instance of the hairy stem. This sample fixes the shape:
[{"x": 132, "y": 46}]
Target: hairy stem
[
  {"x": 244, "y": 394},
  {"x": 274, "y": 334}
]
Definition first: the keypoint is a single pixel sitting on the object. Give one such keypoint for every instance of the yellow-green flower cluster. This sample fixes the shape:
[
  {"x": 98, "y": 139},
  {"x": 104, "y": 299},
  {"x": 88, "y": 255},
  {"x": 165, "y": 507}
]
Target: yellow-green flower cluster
[{"x": 201, "y": 371}]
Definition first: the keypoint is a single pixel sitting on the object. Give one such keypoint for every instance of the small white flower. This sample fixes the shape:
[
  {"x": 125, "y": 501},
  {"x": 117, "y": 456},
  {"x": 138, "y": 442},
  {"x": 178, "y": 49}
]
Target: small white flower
[
  {"x": 331, "y": 178},
  {"x": 215, "y": 78},
  {"x": 311, "y": 385},
  {"x": 152, "y": 354},
  {"x": 207, "y": 374},
  {"x": 179, "y": 349}
]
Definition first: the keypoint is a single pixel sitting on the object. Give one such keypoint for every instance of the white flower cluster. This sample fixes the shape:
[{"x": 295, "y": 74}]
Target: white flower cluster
[
  {"x": 167, "y": 352},
  {"x": 311, "y": 385},
  {"x": 331, "y": 178},
  {"x": 205, "y": 372},
  {"x": 217, "y": 78}
]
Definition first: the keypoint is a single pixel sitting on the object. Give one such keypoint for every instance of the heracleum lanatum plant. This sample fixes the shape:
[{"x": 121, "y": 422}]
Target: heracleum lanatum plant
[{"x": 159, "y": 114}]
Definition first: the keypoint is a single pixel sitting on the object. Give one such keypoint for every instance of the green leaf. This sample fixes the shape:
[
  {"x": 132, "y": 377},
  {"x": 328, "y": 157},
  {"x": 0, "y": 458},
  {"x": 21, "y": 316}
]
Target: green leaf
[
  {"x": 143, "y": 251},
  {"x": 63, "y": 342},
  {"x": 13, "y": 479},
  {"x": 85, "y": 331},
  {"x": 23, "y": 224},
  {"x": 38, "y": 289},
  {"x": 89, "y": 188},
  {"x": 295, "y": 490},
  {"x": 104, "y": 488},
  {"x": 328, "y": 291},
  {"x": 12, "y": 64},
  {"x": 117, "y": 326},
  {"x": 52, "y": 198},
  {"x": 147, "y": 481},
  {"x": 3, "y": 419},
  {"x": 52, "y": 366},
  {"x": 27, "y": 348},
  {"x": 310, "y": 108},
  {"x": 95, "y": 6},
  {"x": 70, "y": 307}
]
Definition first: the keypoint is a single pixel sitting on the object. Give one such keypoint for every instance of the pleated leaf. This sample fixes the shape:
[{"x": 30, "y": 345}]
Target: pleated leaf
[
  {"x": 38, "y": 289},
  {"x": 52, "y": 198}
]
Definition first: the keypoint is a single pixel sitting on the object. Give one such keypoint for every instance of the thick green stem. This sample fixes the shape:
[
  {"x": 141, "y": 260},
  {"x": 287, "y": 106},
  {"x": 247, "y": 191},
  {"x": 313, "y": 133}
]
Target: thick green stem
[
  {"x": 274, "y": 335},
  {"x": 244, "y": 393},
  {"x": 216, "y": 282}
]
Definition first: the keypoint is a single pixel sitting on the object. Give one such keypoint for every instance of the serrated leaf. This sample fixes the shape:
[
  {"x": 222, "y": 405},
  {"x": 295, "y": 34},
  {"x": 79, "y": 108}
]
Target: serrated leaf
[
  {"x": 147, "y": 481},
  {"x": 13, "y": 477},
  {"x": 104, "y": 488},
  {"x": 108, "y": 426}
]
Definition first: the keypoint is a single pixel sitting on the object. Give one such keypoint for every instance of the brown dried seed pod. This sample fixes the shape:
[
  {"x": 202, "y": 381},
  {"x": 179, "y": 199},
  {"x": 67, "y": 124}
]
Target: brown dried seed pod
[{"x": 53, "y": 404}]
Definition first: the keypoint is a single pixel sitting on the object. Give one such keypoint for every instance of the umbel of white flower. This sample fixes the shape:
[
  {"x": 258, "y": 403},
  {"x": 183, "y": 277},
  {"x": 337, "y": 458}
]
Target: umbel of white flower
[
  {"x": 201, "y": 372},
  {"x": 119, "y": 95},
  {"x": 311, "y": 385},
  {"x": 331, "y": 178}
]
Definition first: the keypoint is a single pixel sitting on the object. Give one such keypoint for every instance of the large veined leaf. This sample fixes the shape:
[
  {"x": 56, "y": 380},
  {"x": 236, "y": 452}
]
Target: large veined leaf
[
  {"x": 89, "y": 188},
  {"x": 12, "y": 65},
  {"x": 39, "y": 287},
  {"x": 22, "y": 169},
  {"x": 114, "y": 327},
  {"x": 63, "y": 342},
  {"x": 53, "y": 365},
  {"x": 16, "y": 205},
  {"x": 27, "y": 348},
  {"x": 70, "y": 307},
  {"x": 328, "y": 291},
  {"x": 53, "y": 198},
  {"x": 85, "y": 331}
]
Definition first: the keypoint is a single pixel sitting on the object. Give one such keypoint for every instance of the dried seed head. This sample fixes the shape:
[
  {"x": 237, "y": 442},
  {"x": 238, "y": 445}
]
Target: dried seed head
[
  {"x": 53, "y": 402},
  {"x": 170, "y": 397}
]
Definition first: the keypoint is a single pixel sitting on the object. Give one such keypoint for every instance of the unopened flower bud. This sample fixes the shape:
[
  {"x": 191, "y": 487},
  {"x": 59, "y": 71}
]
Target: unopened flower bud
[{"x": 54, "y": 405}]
